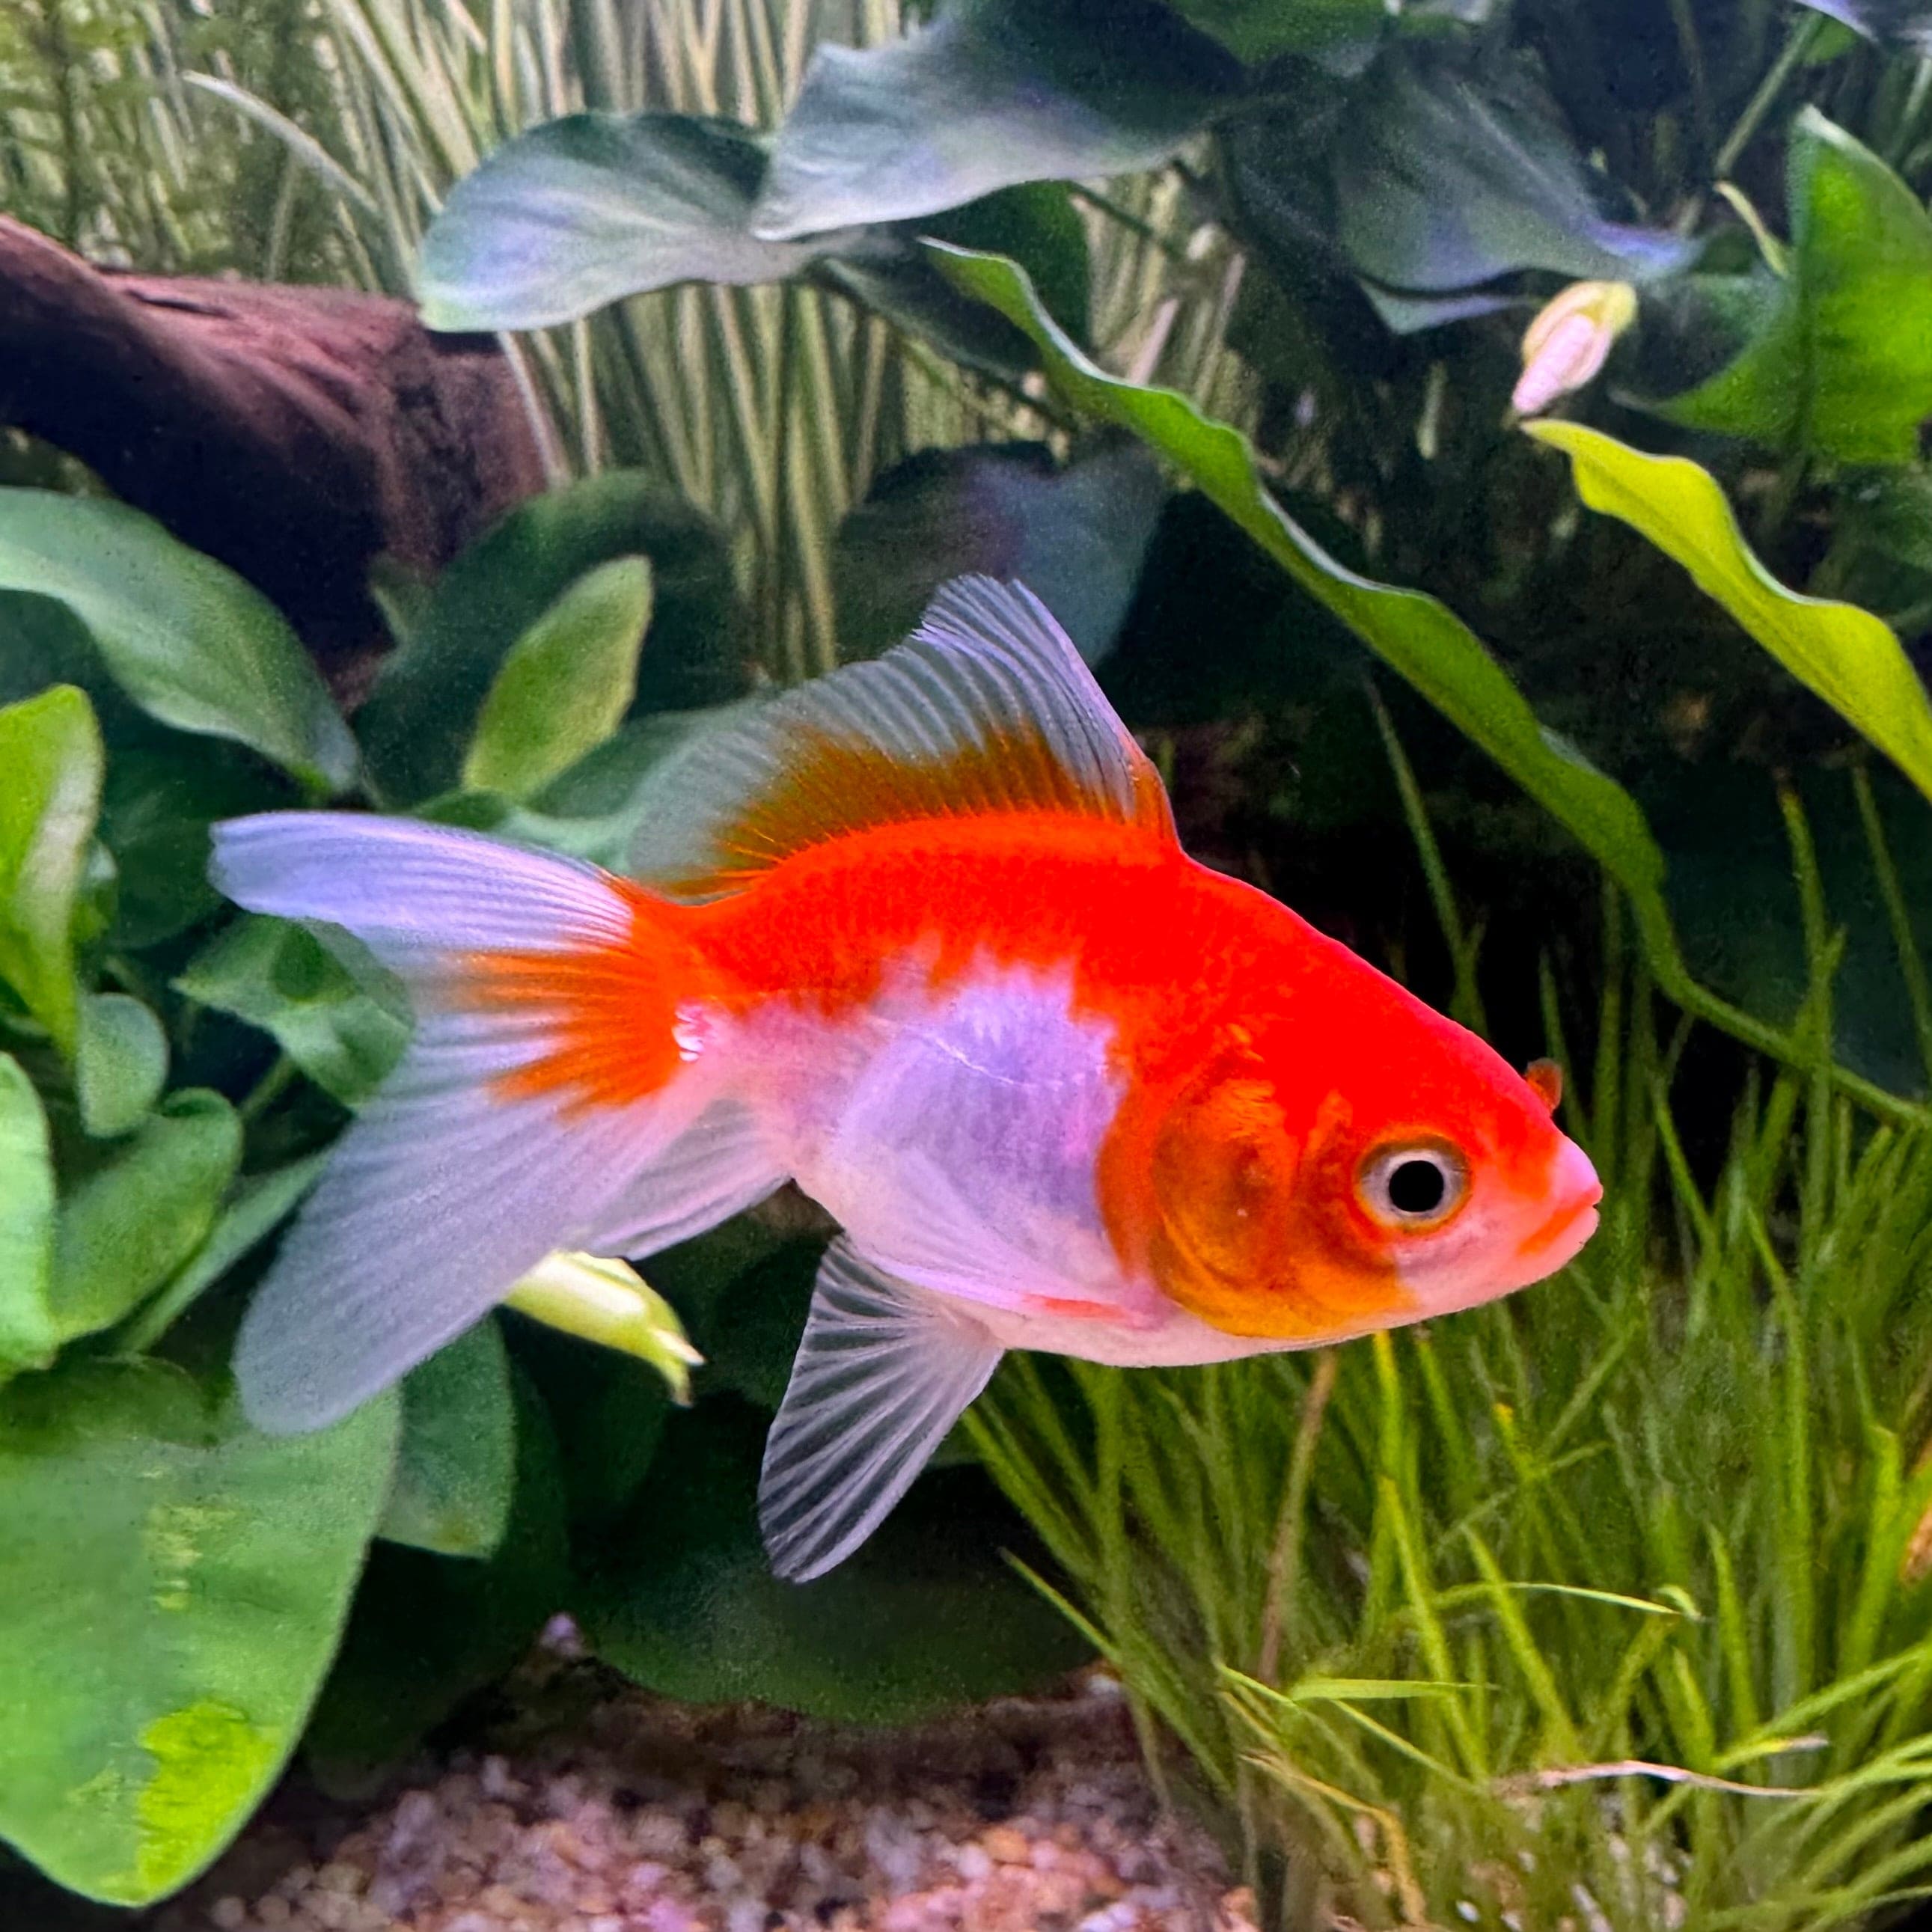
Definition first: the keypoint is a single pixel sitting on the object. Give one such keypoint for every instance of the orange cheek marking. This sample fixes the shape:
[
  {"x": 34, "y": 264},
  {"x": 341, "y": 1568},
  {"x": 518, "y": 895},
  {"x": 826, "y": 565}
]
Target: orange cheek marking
[{"x": 607, "y": 1011}]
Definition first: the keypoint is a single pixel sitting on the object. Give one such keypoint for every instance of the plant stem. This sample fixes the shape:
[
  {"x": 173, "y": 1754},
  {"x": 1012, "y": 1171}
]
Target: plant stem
[{"x": 1798, "y": 43}]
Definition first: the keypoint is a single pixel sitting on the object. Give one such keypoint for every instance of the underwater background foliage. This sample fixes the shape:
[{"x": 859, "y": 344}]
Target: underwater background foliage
[{"x": 1605, "y": 729}]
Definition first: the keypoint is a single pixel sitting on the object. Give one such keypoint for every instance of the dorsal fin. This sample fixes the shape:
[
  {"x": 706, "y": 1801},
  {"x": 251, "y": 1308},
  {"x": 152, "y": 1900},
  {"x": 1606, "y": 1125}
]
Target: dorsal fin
[{"x": 986, "y": 709}]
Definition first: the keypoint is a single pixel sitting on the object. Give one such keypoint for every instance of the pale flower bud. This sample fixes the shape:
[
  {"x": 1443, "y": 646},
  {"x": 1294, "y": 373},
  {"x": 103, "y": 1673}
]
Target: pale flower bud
[
  {"x": 608, "y": 1302},
  {"x": 1566, "y": 344}
]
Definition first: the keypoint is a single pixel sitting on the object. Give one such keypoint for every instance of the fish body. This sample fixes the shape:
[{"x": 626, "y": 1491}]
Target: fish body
[{"x": 920, "y": 938}]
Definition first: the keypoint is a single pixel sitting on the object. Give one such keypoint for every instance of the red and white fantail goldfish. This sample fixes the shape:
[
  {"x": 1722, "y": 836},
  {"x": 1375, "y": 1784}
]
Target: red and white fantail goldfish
[{"x": 919, "y": 937}]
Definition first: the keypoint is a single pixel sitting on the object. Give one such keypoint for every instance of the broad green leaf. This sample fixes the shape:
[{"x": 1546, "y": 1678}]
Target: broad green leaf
[
  {"x": 426, "y": 1631},
  {"x": 1257, "y": 31},
  {"x": 1842, "y": 366},
  {"x": 927, "y": 1614},
  {"x": 28, "y": 1333},
  {"x": 50, "y": 764},
  {"x": 579, "y": 212},
  {"x": 1448, "y": 173},
  {"x": 1420, "y": 638},
  {"x": 279, "y": 976},
  {"x": 1899, "y": 23},
  {"x": 1843, "y": 654},
  {"x": 138, "y": 1216},
  {"x": 992, "y": 93},
  {"x": 1075, "y": 536},
  {"x": 456, "y": 1462},
  {"x": 422, "y": 714},
  {"x": 122, "y": 1064},
  {"x": 608, "y": 1302},
  {"x": 174, "y": 1585},
  {"x": 566, "y": 684},
  {"x": 189, "y": 642}
]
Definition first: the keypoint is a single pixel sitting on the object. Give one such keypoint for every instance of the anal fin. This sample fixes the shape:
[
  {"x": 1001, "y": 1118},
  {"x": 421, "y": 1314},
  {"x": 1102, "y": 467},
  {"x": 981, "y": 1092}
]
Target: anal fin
[{"x": 884, "y": 1371}]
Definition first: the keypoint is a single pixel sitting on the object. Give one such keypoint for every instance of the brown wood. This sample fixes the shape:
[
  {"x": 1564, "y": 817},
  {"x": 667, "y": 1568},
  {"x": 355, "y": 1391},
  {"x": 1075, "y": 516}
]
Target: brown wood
[{"x": 294, "y": 433}]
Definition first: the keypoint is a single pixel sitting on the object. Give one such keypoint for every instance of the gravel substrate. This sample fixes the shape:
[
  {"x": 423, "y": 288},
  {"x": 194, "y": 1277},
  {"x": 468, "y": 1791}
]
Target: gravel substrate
[{"x": 641, "y": 1816}]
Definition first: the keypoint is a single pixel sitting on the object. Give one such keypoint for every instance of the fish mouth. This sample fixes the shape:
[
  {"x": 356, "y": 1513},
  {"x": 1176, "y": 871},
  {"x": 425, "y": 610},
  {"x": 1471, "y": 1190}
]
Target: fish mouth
[{"x": 1574, "y": 1220}]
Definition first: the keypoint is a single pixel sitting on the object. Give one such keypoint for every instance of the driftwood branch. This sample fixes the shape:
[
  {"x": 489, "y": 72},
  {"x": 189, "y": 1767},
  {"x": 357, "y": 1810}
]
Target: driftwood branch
[{"x": 294, "y": 433}]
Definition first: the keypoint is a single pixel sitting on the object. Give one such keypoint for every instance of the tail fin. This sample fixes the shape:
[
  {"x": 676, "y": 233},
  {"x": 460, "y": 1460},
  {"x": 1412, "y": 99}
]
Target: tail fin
[{"x": 545, "y": 1101}]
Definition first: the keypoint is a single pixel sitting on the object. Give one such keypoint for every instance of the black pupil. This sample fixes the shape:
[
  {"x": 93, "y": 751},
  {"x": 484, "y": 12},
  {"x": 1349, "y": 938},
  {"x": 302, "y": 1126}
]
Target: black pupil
[{"x": 1417, "y": 1187}]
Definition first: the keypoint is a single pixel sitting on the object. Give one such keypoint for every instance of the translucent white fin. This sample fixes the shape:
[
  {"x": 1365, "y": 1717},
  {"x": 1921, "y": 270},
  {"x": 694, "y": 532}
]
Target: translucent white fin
[
  {"x": 885, "y": 1369},
  {"x": 463, "y": 1172},
  {"x": 986, "y": 709}
]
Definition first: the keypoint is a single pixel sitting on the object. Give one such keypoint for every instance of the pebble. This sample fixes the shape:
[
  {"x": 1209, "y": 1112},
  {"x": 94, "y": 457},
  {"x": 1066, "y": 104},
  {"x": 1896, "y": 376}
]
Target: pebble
[{"x": 625, "y": 1813}]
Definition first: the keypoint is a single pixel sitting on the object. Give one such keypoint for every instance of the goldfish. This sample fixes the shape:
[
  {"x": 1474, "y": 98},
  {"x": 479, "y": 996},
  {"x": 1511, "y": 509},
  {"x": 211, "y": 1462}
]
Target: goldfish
[{"x": 919, "y": 937}]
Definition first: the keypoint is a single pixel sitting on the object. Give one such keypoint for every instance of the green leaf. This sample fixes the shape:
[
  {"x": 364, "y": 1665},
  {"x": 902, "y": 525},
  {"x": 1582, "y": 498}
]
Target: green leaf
[
  {"x": 927, "y": 1615},
  {"x": 582, "y": 212},
  {"x": 138, "y": 1216},
  {"x": 28, "y": 1333},
  {"x": 277, "y": 976},
  {"x": 456, "y": 1463},
  {"x": 1256, "y": 31},
  {"x": 565, "y": 685},
  {"x": 1842, "y": 366},
  {"x": 174, "y": 1586},
  {"x": 1075, "y": 536},
  {"x": 1417, "y": 636},
  {"x": 1899, "y": 23},
  {"x": 993, "y": 92},
  {"x": 184, "y": 637},
  {"x": 1447, "y": 173},
  {"x": 50, "y": 763},
  {"x": 1843, "y": 654},
  {"x": 428, "y": 1631},
  {"x": 121, "y": 1065},
  {"x": 421, "y": 716},
  {"x": 1035, "y": 224}
]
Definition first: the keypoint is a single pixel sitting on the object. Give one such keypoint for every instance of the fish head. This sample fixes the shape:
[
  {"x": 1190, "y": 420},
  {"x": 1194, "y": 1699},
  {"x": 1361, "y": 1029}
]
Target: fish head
[{"x": 1312, "y": 1188}]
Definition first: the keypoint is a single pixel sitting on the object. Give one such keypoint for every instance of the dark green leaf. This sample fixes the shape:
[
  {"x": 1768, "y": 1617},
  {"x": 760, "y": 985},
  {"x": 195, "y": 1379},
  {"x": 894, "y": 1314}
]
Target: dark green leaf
[
  {"x": 174, "y": 1586},
  {"x": 565, "y": 685},
  {"x": 1845, "y": 654},
  {"x": 136, "y": 1218},
  {"x": 579, "y": 212},
  {"x": 993, "y": 92},
  {"x": 122, "y": 1064},
  {"x": 1074, "y": 536},
  {"x": 1446, "y": 176},
  {"x": 185, "y": 637},
  {"x": 28, "y": 1333},
  {"x": 279, "y": 976},
  {"x": 1842, "y": 365},
  {"x": 1256, "y": 31},
  {"x": 456, "y": 1464},
  {"x": 1035, "y": 224},
  {"x": 49, "y": 793},
  {"x": 421, "y": 716},
  {"x": 428, "y": 1631},
  {"x": 926, "y": 1614}
]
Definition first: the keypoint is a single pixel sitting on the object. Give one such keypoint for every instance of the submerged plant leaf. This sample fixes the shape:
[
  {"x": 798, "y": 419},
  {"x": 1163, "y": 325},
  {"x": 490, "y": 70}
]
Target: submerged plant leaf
[
  {"x": 50, "y": 763},
  {"x": 1420, "y": 638},
  {"x": 1841, "y": 365},
  {"x": 277, "y": 976},
  {"x": 419, "y": 721},
  {"x": 1263, "y": 30},
  {"x": 1075, "y": 536},
  {"x": 121, "y": 1063},
  {"x": 1845, "y": 654},
  {"x": 1446, "y": 176},
  {"x": 991, "y": 93},
  {"x": 188, "y": 640},
  {"x": 174, "y": 1586},
  {"x": 1899, "y": 23},
  {"x": 456, "y": 1461},
  {"x": 581, "y": 211},
  {"x": 28, "y": 1333},
  {"x": 566, "y": 684},
  {"x": 137, "y": 1217}
]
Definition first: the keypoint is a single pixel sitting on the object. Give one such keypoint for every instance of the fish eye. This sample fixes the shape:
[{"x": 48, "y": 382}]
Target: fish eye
[{"x": 1413, "y": 1186}]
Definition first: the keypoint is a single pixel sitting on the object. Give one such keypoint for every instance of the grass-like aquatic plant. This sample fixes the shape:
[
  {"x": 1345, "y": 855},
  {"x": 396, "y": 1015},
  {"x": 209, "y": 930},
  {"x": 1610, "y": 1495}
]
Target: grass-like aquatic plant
[{"x": 1606, "y": 1606}]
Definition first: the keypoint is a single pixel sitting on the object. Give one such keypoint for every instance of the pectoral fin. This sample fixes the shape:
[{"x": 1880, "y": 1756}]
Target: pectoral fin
[{"x": 885, "y": 1369}]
